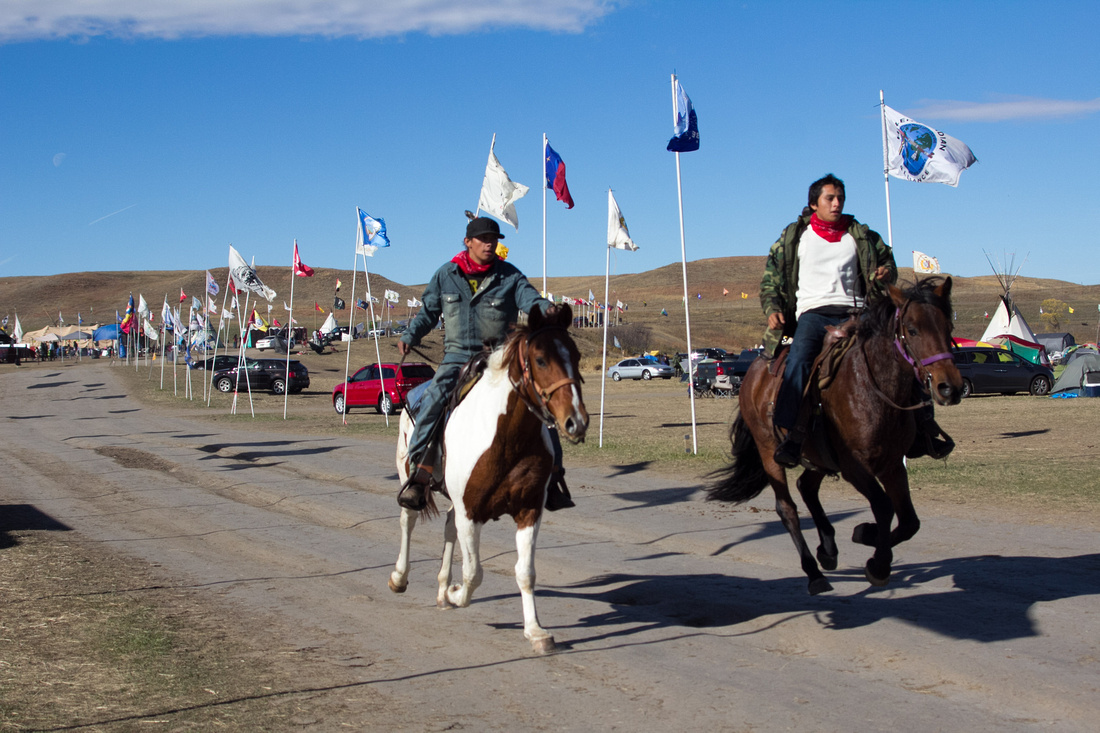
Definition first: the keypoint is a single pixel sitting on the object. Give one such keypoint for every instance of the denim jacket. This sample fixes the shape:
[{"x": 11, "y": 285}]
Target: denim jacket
[{"x": 470, "y": 319}]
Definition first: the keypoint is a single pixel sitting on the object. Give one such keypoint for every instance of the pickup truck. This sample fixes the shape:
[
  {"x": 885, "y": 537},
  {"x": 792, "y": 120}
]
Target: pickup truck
[{"x": 724, "y": 375}]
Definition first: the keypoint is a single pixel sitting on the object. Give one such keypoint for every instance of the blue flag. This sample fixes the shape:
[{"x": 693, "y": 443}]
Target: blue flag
[
  {"x": 685, "y": 132},
  {"x": 370, "y": 234}
]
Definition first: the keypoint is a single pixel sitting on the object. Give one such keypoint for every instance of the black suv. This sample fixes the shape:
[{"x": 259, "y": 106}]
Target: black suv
[{"x": 263, "y": 374}]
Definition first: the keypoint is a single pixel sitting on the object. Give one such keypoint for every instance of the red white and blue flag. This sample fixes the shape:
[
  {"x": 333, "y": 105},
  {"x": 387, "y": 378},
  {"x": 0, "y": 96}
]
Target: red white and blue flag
[{"x": 555, "y": 176}]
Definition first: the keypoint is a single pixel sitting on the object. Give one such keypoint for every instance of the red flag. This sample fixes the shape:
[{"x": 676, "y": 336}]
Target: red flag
[
  {"x": 300, "y": 268},
  {"x": 318, "y": 307},
  {"x": 232, "y": 287},
  {"x": 183, "y": 295}
]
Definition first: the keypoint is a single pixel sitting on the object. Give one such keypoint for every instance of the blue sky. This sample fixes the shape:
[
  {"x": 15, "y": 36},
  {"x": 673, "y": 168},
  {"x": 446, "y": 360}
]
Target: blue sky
[{"x": 134, "y": 139}]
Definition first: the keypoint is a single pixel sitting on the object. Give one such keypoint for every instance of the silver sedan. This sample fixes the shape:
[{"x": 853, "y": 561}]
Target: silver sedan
[{"x": 640, "y": 369}]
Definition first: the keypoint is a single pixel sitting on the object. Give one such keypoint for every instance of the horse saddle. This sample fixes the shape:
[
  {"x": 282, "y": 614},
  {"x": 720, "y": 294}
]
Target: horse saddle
[{"x": 838, "y": 341}]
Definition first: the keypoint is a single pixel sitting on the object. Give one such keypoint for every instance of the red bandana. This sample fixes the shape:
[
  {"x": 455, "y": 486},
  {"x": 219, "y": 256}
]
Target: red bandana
[
  {"x": 468, "y": 266},
  {"x": 831, "y": 231}
]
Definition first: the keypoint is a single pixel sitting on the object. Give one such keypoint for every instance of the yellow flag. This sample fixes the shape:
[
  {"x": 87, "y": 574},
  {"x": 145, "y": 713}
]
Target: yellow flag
[
  {"x": 1071, "y": 309},
  {"x": 744, "y": 296}
]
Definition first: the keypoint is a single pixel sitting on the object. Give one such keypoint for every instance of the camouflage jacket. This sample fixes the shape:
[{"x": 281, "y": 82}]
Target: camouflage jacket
[{"x": 780, "y": 282}]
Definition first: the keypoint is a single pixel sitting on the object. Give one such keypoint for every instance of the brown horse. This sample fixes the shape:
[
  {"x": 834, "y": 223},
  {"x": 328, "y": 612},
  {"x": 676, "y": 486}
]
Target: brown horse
[
  {"x": 499, "y": 458},
  {"x": 868, "y": 423}
]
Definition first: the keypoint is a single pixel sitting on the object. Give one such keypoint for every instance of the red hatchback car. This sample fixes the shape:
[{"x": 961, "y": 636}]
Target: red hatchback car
[{"x": 364, "y": 388}]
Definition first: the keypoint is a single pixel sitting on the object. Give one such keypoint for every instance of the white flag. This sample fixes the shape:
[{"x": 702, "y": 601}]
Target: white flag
[
  {"x": 925, "y": 263},
  {"x": 18, "y": 332},
  {"x": 392, "y": 296},
  {"x": 211, "y": 306},
  {"x": 143, "y": 307},
  {"x": 618, "y": 236},
  {"x": 499, "y": 193},
  {"x": 245, "y": 277},
  {"x": 919, "y": 153},
  {"x": 150, "y": 331},
  {"x": 227, "y": 314}
]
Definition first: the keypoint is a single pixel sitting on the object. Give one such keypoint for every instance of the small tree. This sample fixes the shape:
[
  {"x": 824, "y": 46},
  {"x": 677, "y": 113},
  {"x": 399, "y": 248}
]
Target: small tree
[{"x": 1053, "y": 314}]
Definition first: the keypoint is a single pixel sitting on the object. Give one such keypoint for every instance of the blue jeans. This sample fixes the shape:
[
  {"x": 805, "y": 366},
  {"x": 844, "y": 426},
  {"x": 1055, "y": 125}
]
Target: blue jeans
[{"x": 809, "y": 336}]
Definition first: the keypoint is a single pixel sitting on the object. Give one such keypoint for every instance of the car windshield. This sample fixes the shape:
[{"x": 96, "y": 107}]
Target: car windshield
[{"x": 417, "y": 371}]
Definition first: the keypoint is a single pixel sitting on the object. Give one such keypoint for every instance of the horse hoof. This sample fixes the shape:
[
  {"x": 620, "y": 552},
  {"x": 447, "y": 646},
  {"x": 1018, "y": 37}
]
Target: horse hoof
[
  {"x": 865, "y": 534},
  {"x": 544, "y": 646},
  {"x": 443, "y": 604},
  {"x": 828, "y": 562},
  {"x": 873, "y": 579},
  {"x": 395, "y": 587},
  {"x": 819, "y": 585}
]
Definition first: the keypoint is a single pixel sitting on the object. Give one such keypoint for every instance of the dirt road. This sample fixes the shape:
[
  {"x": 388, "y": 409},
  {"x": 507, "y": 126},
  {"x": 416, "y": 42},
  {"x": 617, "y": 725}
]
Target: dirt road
[{"x": 670, "y": 613}]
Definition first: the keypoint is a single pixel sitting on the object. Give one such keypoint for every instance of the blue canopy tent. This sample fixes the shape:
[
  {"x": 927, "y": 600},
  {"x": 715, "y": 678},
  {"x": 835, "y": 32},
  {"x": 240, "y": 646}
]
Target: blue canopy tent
[{"x": 110, "y": 333}]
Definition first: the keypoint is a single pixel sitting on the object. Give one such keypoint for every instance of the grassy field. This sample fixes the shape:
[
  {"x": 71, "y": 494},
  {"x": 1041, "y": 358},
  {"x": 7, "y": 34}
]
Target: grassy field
[{"x": 1032, "y": 457}]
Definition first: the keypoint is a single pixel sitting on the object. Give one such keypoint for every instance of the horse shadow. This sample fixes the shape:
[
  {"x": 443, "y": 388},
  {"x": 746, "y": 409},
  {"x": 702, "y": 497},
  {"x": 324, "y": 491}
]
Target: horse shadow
[
  {"x": 990, "y": 599},
  {"x": 23, "y": 518}
]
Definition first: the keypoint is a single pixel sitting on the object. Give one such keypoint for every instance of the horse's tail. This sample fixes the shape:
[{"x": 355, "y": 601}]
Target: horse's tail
[{"x": 745, "y": 478}]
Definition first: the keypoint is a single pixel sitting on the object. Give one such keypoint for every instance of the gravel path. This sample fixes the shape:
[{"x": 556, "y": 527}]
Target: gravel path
[{"x": 670, "y": 613}]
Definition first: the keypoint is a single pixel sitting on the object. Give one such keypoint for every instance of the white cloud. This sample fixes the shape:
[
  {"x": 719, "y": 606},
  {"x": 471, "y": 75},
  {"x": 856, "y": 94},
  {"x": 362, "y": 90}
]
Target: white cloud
[
  {"x": 1005, "y": 108},
  {"x": 29, "y": 20},
  {"x": 58, "y": 160}
]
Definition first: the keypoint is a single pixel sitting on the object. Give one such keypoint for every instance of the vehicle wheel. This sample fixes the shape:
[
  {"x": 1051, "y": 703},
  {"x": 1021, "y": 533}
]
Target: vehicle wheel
[
  {"x": 645, "y": 375},
  {"x": 338, "y": 405},
  {"x": 385, "y": 405},
  {"x": 615, "y": 376},
  {"x": 968, "y": 388},
  {"x": 1040, "y": 385},
  {"x": 278, "y": 386},
  {"x": 225, "y": 384}
]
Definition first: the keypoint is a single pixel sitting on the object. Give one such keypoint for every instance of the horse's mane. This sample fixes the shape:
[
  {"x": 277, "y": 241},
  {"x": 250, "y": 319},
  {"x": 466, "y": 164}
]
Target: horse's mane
[{"x": 878, "y": 318}]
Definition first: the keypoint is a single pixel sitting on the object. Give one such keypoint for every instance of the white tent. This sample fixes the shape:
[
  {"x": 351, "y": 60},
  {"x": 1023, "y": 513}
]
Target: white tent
[
  {"x": 329, "y": 325},
  {"x": 1005, "y": 324},
  {"x": 1012, "y": 331}
]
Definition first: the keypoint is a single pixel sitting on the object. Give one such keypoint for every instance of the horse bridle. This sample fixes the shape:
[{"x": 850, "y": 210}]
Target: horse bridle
[
  {"x": 539, "y": 406},
  {"x": 902, "y": 346}
]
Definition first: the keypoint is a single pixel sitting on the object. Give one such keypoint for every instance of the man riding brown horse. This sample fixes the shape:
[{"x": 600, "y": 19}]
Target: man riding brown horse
[{"x": 824, "y": 265}]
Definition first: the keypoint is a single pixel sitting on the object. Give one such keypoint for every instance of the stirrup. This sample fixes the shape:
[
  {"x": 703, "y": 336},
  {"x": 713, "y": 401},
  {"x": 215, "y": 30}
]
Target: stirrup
[
  {"x": 789, "y": 453},
  {"x": 413, "y": 494},
  {"x": 557, "y": 493}
]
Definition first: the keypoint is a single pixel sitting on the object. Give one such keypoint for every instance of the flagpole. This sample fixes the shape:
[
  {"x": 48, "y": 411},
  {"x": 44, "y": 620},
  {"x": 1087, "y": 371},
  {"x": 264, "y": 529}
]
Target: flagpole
[
  {"x": 491, "y": 146},
  {"x": 286, "y": 383},
  {"x": 163, "y": 340},
  {"x": 377, "y": 345},
  {"x": 886, "y": 170},
  {"x": 347, "y": 357},
  {"x": 687, "y": 310},
  {"x": 225, "y": 297},
  {"x": 544, "y": 215},
  {"x": 603, "y": 363}
]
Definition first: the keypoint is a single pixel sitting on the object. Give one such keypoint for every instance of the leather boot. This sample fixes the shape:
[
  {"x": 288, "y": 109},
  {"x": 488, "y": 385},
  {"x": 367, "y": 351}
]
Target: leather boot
[
  {"x": 930, "y": 440},
  {"x": 557, "y": 493},
  {"x": 414, "y": 492},
  {"x": 789, "y": 453}
]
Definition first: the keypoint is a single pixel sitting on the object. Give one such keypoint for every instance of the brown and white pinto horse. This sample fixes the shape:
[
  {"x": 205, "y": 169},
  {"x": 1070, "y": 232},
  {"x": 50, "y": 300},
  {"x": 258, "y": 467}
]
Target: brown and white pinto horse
[
  {"x": 868, "y": 412},
  {"x": 499, "y": 458}
]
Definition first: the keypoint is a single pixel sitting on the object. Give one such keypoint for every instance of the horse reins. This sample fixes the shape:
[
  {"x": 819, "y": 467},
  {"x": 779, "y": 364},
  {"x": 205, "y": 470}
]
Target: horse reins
[{"x": 541, "y": 408}]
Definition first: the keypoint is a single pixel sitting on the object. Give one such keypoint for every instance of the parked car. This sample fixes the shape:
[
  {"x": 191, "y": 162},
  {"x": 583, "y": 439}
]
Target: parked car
[
  {"x": 275, "y": 343},
  {"x": 263, "y": 374},
  {"x": 988, "y": 369},
  {"x": 222, "y": 361},
  {"x": 640, "y": 368},
  {"x": 364, "y": 388}
]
